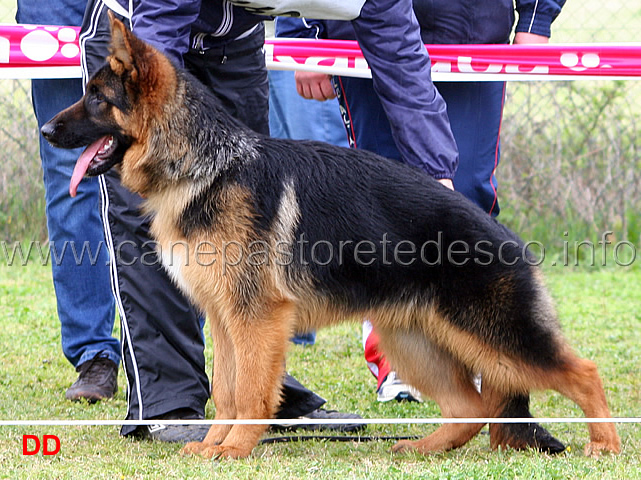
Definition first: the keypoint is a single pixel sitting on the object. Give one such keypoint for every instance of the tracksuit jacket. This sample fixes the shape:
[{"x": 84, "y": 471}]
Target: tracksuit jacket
[
  {"x": 400, "y": 68},
  {"x": 451, "y": 21},
  {"x": 485, "y": 21}
]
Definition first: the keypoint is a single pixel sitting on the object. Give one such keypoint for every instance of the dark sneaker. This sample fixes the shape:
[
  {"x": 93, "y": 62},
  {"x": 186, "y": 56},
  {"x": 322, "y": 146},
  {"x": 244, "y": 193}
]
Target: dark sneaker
[
  {"x": 322, "y": 414},
  {"x": 175, "y": 433},
  {"x": 98, "y": 380},
  {"x": 393, "y": 388}
]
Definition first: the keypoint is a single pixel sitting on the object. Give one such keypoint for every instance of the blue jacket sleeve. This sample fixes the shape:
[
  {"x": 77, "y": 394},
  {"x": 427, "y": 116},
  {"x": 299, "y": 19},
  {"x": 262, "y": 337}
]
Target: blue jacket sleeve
[
  {"x": 536, "y": 16},
  {"x": 389, "y": 36},
  {"x": 166, "y": 24}
]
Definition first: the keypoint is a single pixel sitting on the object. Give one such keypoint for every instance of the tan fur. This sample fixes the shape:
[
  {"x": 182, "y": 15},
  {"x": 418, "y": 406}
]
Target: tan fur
[{"x": 128, "y": 56}]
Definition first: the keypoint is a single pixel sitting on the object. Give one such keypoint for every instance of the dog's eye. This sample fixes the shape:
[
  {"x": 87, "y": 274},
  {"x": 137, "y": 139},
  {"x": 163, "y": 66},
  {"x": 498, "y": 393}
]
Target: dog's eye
[{"x": 97, "y": 96}]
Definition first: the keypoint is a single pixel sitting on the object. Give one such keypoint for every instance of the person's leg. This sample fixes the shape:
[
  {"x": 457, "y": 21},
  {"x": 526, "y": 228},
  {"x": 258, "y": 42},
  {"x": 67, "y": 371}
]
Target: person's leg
[
  {"x": 84, "y": 300},
  {"x": 364, "y": 121},
  {"x": 475, "y": 110},
  {"x": 58, "y": 12},
  {"x": 163, "y": 345},
  {"x": 478, "y": 161},
  {"x": 368, "y": 129},
  {"x": 237, "y": 75},
  {"x": 477, "y": 139},
  {"x": 388, "y": 385},
  {"x": 364, "y": 118},
  {"x": 79, "y": 257},
  {"x": 242, "y": 86}
]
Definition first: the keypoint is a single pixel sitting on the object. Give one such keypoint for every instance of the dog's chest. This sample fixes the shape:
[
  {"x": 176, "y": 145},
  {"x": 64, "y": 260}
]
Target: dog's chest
[
  {"x": 174, "y": 263},
  {"x": 173, "y": 250}
]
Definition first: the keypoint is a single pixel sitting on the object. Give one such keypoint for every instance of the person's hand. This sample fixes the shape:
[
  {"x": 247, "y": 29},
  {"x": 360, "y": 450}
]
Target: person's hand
[
  {"x": 316, "y": 86},
  {"x": 447, "y": 182},
  {"x": 524, "y": 38}
]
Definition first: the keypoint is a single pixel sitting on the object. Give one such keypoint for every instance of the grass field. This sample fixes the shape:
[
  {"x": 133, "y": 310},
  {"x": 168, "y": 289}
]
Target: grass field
[{"x": 599, "y": 311}]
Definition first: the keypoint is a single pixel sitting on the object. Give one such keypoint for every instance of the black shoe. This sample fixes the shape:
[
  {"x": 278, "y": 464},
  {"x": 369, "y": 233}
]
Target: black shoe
[
  {"x": 322, "y": 414},
  {"x": 522, "y": 435},
  {"x": 98, "y": 380},
  {"x": 175, "y": 433}
]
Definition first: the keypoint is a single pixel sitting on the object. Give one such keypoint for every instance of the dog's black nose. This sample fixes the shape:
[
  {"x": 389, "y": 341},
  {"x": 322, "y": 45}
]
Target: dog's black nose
[{"x": 48, "y": 129}]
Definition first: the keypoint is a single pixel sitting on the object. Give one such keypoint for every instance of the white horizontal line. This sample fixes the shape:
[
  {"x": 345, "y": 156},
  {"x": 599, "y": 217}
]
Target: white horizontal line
[
  {"x": 75, "y": 72},
  {"x": 40, "y": 72},
  {"x": 447, "y": 76},
  {"x": 305, "y": 421}
]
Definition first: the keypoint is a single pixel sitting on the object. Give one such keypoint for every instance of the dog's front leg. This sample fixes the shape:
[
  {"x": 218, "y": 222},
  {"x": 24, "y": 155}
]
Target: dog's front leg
[
  {"x": 259, "y": 346},
  {"x": 222, "y": 388}
]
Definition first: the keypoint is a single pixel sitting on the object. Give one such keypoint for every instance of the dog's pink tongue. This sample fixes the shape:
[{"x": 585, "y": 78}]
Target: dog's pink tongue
[{"x": 82, "y": 164}]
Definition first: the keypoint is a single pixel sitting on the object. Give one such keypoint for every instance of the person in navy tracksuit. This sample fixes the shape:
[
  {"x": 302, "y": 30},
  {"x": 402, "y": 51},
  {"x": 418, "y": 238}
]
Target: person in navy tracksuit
[
  {"x": 474, "y": 109},
  {"x": 221, "y": 44}
]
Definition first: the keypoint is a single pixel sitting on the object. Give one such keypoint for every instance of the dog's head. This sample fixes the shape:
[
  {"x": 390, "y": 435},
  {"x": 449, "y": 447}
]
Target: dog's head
[{"x": 113, "y": 116}]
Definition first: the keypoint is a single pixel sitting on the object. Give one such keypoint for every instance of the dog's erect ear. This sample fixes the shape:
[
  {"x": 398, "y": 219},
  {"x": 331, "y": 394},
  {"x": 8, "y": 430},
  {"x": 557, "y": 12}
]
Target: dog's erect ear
[{"x": 123, "y": 45}]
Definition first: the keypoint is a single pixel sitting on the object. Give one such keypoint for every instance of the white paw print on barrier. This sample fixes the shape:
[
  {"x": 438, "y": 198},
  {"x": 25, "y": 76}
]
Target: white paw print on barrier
[
  {"x": 41, "y": 45},
  {"x": 572, "y": 61}
]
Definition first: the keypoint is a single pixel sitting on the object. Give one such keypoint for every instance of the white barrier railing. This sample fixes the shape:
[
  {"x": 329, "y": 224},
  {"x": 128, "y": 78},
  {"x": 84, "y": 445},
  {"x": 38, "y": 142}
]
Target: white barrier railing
[{"x": 31, "y": 51}]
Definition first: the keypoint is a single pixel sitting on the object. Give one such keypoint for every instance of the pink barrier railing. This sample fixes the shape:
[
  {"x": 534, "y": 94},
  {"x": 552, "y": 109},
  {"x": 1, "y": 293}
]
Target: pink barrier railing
[{"x": 29, "y": 51}]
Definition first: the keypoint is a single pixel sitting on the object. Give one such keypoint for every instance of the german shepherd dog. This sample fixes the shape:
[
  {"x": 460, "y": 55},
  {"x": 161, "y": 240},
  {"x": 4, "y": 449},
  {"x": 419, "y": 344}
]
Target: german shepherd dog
[{"x": 288, "y": 236}]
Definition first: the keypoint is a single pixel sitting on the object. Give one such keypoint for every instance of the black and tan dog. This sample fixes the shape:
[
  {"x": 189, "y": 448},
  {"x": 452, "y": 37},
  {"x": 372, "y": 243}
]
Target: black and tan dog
[{"x": 288, "y": 236}]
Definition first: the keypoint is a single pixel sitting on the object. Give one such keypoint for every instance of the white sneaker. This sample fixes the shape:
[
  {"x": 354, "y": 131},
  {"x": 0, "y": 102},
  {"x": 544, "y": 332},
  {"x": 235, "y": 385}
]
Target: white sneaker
[{"x": 393, "y": 388}]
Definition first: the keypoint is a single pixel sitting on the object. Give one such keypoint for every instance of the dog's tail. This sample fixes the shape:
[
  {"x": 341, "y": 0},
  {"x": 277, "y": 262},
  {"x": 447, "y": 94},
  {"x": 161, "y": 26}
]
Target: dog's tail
[{"x": 522, "y": 435}]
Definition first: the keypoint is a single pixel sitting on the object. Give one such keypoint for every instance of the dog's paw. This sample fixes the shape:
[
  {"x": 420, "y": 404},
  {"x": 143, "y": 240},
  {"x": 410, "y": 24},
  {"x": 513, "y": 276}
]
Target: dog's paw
[
  {"x": 193, "y": 448},
  {"x": 218, "y": 452},
  {"x": 403, "y": 446},
  {"x": 595, "y": 449},
  {"x": 215, "y": 452}
]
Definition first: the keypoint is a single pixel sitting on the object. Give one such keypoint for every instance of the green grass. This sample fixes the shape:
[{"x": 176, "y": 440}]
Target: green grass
[{"x": 599, "y": 311}]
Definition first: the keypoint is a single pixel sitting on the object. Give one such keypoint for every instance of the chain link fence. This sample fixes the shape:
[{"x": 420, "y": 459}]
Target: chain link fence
[
  {"x": 570, "y": 150},
  {"x": 21, "y": 188}
]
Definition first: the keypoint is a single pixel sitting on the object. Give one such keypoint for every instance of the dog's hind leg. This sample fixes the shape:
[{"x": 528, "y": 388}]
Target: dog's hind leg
[
  {"x": 439, "y": 376},
  {"x": 579, "y": 380},
  {"x": 571, "y": 376}
]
